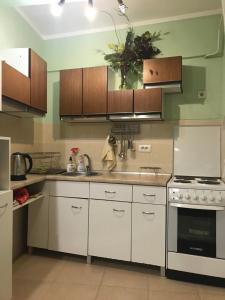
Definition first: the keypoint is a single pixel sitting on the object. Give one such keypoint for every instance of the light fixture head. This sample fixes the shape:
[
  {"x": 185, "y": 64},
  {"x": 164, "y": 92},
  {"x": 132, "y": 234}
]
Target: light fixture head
[
  {"x": 122, "y": 7},
  {"x": 56, "y": 8},
  {"x": 90, "y": 11}
]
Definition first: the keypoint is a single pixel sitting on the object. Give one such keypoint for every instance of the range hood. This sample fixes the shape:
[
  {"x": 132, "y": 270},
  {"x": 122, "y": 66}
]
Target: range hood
[
  {"x": 20, "y": 110},
  {"x": 114, "y": 118}
]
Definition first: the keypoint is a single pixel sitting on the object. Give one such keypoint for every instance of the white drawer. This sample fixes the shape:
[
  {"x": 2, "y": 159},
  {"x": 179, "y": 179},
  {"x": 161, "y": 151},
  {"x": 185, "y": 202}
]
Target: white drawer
[
  {"x": 69, "y": 189},
  {"x": 149, "y": 194},
  {"x": 108, "y": 191}
]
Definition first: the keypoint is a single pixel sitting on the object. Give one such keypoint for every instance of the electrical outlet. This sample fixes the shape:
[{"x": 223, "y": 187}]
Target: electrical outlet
[
  {"x": 144, "y": 148},
  {"x": 201, "y": 94}
]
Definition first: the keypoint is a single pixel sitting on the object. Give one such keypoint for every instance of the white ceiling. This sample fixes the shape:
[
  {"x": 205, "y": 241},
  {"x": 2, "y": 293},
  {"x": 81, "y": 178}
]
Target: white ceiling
[{"x": 73, "y": 21}]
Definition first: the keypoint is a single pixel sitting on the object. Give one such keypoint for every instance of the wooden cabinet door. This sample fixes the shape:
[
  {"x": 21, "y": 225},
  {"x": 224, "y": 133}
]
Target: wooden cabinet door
[
  {"x": 162, "y": 70},
  {"x": 110, "y": 229},
  {"x": 148, "y": 234},
  {"x": 148, "y": 100},
  {"x": 15, "y": 85},
  {"x": 95, "y": 90},
  {"x": 71, "y": 92},
  {"x": 68, "y": 225},
  {"x": 38, "y": 77},
  {"x": 120, "y": 101}
]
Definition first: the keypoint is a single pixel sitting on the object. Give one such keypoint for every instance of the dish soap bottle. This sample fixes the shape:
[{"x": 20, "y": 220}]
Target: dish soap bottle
[
  {"x": 70, "y": 168},
  {"x": 81, "y": 166}
]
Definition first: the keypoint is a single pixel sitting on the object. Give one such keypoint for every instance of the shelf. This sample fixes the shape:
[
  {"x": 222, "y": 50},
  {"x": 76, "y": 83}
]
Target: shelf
[{"x": 32, "y": 199}]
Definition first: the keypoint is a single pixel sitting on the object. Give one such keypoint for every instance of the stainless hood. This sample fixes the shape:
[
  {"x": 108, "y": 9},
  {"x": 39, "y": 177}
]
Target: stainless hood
[{"x": 114, "y": 118}]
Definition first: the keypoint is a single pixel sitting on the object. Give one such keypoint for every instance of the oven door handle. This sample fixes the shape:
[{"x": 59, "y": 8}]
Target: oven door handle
[{"x": 195, "y": 206}]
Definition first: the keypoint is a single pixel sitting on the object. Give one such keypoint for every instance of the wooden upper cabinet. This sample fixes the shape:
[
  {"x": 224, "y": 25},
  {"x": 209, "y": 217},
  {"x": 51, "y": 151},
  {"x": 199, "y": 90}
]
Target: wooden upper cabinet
[
  {"x": 15, "y": 85},
  {"x": 38, "y": 82},
  {"x": 95, "y": 90},
  {"x": 71, "y": 92},
  {"x": 148, "y": 100},
  {"x": 120, "y": 101},
  {"x": 162, "y": 70}
]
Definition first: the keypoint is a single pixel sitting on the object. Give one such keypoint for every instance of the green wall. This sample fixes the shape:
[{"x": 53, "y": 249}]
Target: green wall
[
  {"x": 191, "y": 38},
  {"x": 16, "y": 33}
]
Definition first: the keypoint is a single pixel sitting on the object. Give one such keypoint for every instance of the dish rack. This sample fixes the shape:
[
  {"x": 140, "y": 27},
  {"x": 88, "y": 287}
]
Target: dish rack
[{"x": 45, "y": 162}]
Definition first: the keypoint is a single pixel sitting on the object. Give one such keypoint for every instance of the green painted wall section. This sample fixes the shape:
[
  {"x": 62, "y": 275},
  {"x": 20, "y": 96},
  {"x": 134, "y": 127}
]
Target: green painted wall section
[
  {"x": 16, "y": 33},
  {"x": 192, "y": 38}
]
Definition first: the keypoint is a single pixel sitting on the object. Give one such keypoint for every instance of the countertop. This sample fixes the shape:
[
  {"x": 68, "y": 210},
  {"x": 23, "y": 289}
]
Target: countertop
[
  {"x": 30, "y": 180},
  {"x": 124, "y": 178}
]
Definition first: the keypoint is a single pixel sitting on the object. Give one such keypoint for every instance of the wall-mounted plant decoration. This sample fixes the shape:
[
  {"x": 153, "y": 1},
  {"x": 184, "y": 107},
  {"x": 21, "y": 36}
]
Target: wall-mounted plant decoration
[{"x": 127, "y": 58}]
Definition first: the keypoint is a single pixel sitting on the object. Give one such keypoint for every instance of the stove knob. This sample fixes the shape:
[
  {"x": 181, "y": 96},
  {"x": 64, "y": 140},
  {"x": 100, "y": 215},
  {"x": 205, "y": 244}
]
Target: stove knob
[
  {"x": 196, "y": 198},
  {"x": 204, "y": 198},
  {"x": 212, "y": 198},
  {"x": 180, "y": 197},
  {"x": 219, "y": 199},
  {"x": 188, "y": 197}
]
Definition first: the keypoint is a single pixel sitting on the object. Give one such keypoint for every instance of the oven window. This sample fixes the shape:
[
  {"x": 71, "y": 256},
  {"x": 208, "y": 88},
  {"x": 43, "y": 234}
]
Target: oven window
[{"x": 197, "y": 232}]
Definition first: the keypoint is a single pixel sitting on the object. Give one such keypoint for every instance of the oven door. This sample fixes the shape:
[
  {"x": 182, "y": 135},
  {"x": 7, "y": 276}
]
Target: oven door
[{"x": 196, "y": 230}]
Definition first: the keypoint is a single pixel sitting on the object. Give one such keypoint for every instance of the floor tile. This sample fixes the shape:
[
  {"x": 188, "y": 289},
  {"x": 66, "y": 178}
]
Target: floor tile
[
  {"x": 59, "y": 291},
  {"x": 158, "y": 283},
  {"x": 207, "y": 292},
  {"x": 125, "y": 278},
  {"x": 38, "y": 268},
  {"x": 80, "y": 273},
  {"x": 119, "y": 293},
  {"x": 29, "y": 290},
  {"x": 165, "y": 295}
]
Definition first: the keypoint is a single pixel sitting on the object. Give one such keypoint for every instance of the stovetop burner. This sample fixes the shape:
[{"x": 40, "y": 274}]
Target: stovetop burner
[
  {"x": 182, "y": 181},
  {"x": 179, "y": 177},
  {"x": 213, "y": 182}
]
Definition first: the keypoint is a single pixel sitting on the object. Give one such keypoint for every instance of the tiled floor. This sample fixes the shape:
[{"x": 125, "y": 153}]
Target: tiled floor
[{"x": 39, "y": 277}]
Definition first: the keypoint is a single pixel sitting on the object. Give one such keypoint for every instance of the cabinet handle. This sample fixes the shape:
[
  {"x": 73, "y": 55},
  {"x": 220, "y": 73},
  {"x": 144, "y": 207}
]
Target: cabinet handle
[
  {"x": 149, "y": 195},
  {"x": 119, "y": 210},
  {"x": 4, "y": 206},
  {"x": 148, "y": 213},
  {"x": 110, "y": 192},
  {"x": 76, "y": 207}
]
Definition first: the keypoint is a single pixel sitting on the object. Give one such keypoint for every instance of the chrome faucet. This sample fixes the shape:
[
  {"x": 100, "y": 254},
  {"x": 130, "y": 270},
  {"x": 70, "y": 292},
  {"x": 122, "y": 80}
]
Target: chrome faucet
[{"x": 88, "y": 166}]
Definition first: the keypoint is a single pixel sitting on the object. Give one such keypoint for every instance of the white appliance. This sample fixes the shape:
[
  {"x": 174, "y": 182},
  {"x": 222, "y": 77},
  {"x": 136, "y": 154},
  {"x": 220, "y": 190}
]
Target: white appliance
[
  {"x": 196, "y": 204},
  {"x": 6, "y": 244}
]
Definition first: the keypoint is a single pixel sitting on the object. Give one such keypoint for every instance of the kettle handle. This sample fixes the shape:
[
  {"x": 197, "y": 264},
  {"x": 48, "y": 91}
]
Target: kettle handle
[{"x": 30, "y": 162}]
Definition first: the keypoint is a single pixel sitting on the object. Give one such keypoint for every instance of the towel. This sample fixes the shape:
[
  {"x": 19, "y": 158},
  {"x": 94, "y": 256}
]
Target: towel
[{"x": 108, "y": 155}]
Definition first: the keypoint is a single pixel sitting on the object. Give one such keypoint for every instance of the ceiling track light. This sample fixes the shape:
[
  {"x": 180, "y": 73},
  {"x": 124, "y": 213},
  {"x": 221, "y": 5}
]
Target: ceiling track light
[
  {"x": 56, "y": 8},
  {"x": 122, "y": 7},
  {"x": 90, "y": 11}
]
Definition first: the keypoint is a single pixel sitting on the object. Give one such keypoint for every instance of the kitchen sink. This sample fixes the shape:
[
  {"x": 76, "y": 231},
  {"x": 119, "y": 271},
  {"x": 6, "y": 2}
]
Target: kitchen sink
[{"x": 91, "y": 173}]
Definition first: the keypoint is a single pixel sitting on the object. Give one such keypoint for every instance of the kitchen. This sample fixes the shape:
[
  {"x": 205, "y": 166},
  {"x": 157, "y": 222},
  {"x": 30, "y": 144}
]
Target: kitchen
[{"x": 35, "y": 276}]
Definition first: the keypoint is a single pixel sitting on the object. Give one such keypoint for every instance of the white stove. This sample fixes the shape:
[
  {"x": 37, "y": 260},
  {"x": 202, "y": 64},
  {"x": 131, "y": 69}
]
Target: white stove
[{"x": 196, "y": 204}]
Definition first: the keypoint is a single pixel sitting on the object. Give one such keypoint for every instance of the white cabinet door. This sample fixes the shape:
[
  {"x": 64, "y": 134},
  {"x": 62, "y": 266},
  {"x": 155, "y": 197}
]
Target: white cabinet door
[
  {"x": 148, "y": 234},
  {"x": 68, "y": 225},
  {"x": 37, "y": 235},
  {"x": 110, "y": 229},
  {"x": 6, "y": 201}
]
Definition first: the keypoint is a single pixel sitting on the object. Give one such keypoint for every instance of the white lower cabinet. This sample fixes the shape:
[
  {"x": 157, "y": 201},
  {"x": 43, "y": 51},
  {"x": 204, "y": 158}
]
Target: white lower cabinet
[
  {"x": 110, "y": 229},
  {"x": 148, "y": 234},
  {"x": 68, "y": 225}
]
